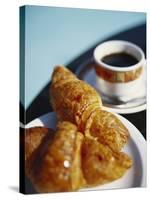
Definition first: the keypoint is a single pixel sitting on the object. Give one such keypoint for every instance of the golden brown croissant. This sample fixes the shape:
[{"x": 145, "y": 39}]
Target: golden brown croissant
[
  {"x": 56, "y": 166},
  {"x": 76, "y": 101},
  {"x": 71, "y": 97},
  {"x": 34, "y": 138},
  {"x": 100, "y": 164},
  {"x": 68, "y": 160},
  {"x": 107, "y": 128}
]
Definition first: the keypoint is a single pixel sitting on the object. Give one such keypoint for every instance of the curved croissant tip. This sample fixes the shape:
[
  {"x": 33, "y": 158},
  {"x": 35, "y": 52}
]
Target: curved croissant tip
[{"x": 59, "y": 66}]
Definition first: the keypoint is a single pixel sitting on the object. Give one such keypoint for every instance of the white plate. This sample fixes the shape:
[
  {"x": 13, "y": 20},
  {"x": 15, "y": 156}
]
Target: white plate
[
  {"x": 87, "y": 73},
  {"x": 135, "y": 148}
]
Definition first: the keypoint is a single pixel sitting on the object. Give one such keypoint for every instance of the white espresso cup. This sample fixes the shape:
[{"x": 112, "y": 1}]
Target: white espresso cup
[{"x": 117, "y": 81}]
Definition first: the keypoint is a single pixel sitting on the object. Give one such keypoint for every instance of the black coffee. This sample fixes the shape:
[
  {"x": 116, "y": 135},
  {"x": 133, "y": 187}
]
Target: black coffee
[{"x": 120, "y": 60}]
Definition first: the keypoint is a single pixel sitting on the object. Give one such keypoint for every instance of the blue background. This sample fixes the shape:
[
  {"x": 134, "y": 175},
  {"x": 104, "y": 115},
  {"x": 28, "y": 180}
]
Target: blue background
[{"x": 58, "y": 35}]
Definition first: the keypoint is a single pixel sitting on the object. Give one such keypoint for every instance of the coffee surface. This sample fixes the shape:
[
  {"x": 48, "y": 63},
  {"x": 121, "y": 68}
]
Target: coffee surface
[{"x": 120, "y": 60}]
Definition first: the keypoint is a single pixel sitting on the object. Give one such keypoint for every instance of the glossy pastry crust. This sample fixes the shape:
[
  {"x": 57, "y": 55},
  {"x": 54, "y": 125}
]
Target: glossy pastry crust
[
  {"x": 108, "y": 129},
  {"x": 100, "y": 164},
  {"x": 34, "y": 138},
  {"x": 67, "y": 160},
  {"x": 57, "y": 167},
  {"x": 71, "y": 97}
]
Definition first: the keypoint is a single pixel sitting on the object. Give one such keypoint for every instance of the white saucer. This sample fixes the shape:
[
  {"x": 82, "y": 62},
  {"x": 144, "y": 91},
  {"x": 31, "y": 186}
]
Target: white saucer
[{"x": 125, "y": 105}]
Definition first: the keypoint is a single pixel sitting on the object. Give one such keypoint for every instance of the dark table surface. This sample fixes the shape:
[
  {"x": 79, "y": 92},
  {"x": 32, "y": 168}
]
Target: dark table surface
[{"x": 40, "y": 104}]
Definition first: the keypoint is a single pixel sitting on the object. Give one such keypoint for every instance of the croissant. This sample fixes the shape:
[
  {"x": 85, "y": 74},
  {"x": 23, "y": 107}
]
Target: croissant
[
  {"x": 107, "y": 128},
  {"x": 71, "y": 98},
  {"x": 34, "y": 138},
  {"x": 100, "y": 164},
  {"x": 76, "y": 101},
  {"x": 56, "y": 163},
  {"x": 68, "y": 160}
]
